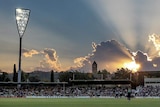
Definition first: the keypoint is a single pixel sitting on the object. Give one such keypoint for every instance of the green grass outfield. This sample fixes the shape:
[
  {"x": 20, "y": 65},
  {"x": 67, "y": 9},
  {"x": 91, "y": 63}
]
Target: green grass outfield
[{"x": 78, "y": 102}]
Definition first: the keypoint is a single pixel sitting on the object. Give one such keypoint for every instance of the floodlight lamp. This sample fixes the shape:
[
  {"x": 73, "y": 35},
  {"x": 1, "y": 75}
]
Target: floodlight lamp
[
  {"x": 19, "y": 10},
  {"x": 22, "y": 17}
]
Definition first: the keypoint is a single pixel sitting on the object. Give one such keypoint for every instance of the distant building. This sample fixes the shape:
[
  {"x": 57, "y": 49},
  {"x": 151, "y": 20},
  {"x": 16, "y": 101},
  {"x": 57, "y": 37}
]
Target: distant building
[
  {"x": 94, "y": 67},
  {"x": 147, "y": 74},
  {"x": 151, "y": 81}
]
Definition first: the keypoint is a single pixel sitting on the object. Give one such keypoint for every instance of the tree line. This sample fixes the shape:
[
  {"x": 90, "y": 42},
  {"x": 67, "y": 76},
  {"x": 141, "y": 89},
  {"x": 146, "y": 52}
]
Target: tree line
[{"x": 65, "y": 76}]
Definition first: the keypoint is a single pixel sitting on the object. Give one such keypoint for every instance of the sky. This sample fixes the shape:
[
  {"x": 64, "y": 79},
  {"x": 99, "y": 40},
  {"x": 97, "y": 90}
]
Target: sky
[{"x": 66, "y": 35}]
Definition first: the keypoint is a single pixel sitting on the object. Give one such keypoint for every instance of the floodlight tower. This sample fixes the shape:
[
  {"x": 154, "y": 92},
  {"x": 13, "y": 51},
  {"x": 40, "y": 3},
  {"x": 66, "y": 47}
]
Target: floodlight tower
[{"x": 22, "y": 17}]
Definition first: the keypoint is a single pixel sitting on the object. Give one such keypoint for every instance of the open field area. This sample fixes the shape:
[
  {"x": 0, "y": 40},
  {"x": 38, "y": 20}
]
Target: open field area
[{"x": 78, "y": 102}]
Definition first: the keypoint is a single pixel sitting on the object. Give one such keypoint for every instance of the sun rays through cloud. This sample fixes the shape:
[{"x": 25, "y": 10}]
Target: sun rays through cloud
[
  {"x": 132, "y": 21},
  {"x": 132, "y": 66}
]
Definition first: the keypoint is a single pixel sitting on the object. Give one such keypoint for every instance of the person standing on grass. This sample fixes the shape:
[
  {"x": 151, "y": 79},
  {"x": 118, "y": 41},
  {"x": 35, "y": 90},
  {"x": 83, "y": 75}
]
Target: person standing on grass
[{"x": 129, "y": 91}]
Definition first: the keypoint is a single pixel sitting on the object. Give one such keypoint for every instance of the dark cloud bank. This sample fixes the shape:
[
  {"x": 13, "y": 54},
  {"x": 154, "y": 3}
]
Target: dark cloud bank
[{"x": 111, "y": 55}]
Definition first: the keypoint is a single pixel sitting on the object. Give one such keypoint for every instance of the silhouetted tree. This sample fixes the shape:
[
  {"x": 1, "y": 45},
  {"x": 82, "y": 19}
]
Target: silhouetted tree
[
  {"x": 105, "y": 74},
  {"x": 4, "y": 77},
  {"x": 65, "y": 76},
  {"x": 24, "y": 76},
  {"x": 82, "y": 76},
  {"x": 34, "y": 78},
  {"x": 90, "y": 75},
  {"x": 122, "y": 74},
  {"x": 14, "y": 74},
  {"x": 1, "y": 76},
  {"x": 52, "y": 76}
]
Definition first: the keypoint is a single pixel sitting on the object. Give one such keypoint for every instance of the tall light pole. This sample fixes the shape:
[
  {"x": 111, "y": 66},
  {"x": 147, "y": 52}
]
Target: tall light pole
[{"x": 22, "y": 17}]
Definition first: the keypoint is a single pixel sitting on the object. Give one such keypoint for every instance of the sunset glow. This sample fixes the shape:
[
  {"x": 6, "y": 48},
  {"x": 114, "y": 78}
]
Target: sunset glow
[{"x": 132, "y": 66}]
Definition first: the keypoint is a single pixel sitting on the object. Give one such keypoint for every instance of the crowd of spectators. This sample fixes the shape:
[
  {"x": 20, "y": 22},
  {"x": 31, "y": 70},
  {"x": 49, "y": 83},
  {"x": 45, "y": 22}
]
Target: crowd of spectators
[
  {"x": 71, "y": 91},
  {"x": 148, "y": 91}
]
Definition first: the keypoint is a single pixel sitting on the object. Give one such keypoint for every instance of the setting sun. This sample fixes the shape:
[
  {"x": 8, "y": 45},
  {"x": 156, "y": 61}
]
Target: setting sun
[{"x": 132, "y": 66}]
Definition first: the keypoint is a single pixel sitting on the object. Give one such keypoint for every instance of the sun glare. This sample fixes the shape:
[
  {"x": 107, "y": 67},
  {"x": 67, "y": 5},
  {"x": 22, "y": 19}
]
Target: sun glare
[{"x": 132, "y": 66}]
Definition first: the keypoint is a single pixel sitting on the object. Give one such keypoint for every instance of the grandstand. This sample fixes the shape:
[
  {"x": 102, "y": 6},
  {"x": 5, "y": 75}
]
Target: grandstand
[{"x": 84, "y": 88}]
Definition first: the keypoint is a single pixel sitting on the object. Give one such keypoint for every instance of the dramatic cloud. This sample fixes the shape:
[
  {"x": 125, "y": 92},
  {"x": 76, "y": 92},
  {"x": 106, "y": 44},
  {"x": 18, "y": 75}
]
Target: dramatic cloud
[
  {"x": 155, "y": 39},
  {"x": 130, "y": 20},
  {"x": 111, "y": 55},
  {"x": 156, "y": 63},
  {"x": 29, "y": 53},
  {"x": 50, "y": 54},
  {"x": 50, "y": 60},
  {"x": 142, "y": 59},
  {"x": 79, "y": 61},
  {"x": 94, "y": 46}
]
